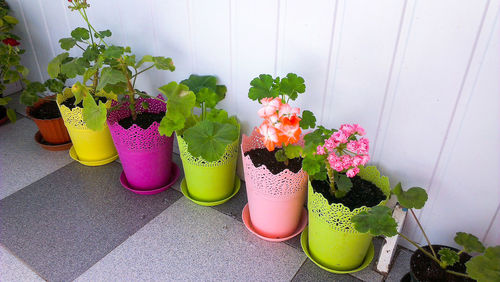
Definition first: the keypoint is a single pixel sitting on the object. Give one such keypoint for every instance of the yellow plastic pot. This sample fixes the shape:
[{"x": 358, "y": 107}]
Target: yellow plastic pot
[{"x": 91, "y": 147}]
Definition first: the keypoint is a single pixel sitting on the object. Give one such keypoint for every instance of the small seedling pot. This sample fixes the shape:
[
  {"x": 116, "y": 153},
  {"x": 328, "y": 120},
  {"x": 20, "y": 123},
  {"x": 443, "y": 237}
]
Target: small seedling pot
[
  {"x": 91, "y": 147},
  {"x": 146, "y": 156},
  {"x": 209, "y": 181},
  {"x": 432, "y": 271},
  {"x": 332, "y": 240},
  {"x": 275, "y": 201},
  {"x": 53, "y": 130}
]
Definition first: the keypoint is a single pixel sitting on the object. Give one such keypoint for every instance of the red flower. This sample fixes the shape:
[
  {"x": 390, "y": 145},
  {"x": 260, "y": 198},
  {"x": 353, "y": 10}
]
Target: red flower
[{"x": 11, "y": 42}]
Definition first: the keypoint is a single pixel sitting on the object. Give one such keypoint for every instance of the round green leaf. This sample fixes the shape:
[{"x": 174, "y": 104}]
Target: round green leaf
[
  {"x": 414, "y": 198},
  {"x": 486, "y": 267},
  {"x": 470, "y": 242},
  {"x": 377, "y": 221}
]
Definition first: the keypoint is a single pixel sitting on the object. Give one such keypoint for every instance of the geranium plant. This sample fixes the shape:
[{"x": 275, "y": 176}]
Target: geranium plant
[
  {"x": 207, "y": 133},
  {"x": 379, "y": 221},
  {"x": 11, "y": 69},
  {"x": 35, "y": 90},
  {"x": 105, "y": 69},
  {"x": 282, "y": 125},
  {"x": 336, "y": 155}
]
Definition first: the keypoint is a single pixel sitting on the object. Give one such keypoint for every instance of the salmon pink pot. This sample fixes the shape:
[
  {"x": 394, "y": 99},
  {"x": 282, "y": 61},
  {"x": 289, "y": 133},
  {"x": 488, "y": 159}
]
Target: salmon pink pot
[
  {"x": 275, "y": 201},
  {"x": 146, "y": 156}
]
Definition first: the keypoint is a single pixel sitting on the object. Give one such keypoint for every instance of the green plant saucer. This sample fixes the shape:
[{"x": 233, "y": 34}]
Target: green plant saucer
[
  {"x": 74, "y": 156},
  {"x": 184, "y": 190},
  {"x": 304, "y": 239}
]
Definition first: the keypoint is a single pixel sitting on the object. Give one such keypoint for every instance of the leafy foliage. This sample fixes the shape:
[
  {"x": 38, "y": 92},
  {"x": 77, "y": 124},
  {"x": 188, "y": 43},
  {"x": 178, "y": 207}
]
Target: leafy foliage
[
  {"x": 94, "y": 114},
  {"x": 265, "y": 86},
  {"x": 377, "y": 221},
  {"x": 308, "y": 120},
  {"x": 209, "y": 139},
  {"x": 485, "y": 267},
  {"x": 262, "y": 87},
  {"x": 344, "y": 185},
  {"x": 470, "y": 242},
  {"x": 414, "y": 198},
  {"x": 448, "y": 256},
  {"x": 292, "y": 85},
  {"x": 180, "y": 102}
]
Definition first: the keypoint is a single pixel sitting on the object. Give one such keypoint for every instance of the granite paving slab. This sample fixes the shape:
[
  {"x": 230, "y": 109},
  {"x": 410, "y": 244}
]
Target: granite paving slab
[
  {"x": 22, "y": 160},
  {"x": 400, "y": 266},
  {"x": 369, "y": 273},
  {"x": 67, "y": 221},
  {"x": 12, "y": 269},
  {"x": 189, "y": 242},
  {"x": 311, "y": 272}
]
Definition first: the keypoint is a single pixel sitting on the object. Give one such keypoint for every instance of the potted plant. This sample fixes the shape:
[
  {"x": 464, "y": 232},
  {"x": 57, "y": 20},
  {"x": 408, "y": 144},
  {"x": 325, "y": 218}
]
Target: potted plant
[
  {"x": 11, "y": 69},
  {"x": 43, "y": 110},
  {"x": 340, "y": 186},
  {"x": 208, "y": 141},
  {"x": 433, "y": 262},
  {"x": 92, "y": 142},
  {"x": 275, "y": 181},
  {"x": 134, "y": 119}
]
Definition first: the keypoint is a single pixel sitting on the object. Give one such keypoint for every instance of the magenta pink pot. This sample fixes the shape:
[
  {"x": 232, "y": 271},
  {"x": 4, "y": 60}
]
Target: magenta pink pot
[
  {"x": 275, "y": 201},
  {"x": 146, "y": 156}
]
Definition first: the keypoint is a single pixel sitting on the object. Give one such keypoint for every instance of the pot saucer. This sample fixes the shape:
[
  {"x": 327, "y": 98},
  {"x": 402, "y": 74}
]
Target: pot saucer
[
  {"x": 175, "y": 172},
  {"x": 245, "y": 215},
  {"x": 74, "y": 156},
  {"x": 304, "y": 239},
  {"x": 184, "y": 190},
  {"x": 51, "y": 147}
]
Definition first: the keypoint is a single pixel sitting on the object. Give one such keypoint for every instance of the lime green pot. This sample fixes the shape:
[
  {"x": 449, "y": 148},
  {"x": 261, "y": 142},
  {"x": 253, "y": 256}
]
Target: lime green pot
[
  {"x": 333, "y": 241},
  {"x": 209, "y": 181}
]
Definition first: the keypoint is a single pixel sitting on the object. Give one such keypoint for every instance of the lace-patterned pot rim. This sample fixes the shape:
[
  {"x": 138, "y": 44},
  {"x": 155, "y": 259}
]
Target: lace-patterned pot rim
[
  {"x": 114, "y": 116},
  {"x": 230, "y": 154}
]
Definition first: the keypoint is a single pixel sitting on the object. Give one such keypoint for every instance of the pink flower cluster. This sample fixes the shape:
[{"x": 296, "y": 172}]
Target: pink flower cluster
[{"x": 345, "y": 153}]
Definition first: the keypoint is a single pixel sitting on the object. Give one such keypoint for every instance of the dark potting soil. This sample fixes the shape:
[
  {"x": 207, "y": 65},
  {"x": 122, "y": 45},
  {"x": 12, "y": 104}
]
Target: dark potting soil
[
  {"x": 70, "y": 103},
  {"x": 143, "y": 120},
  {"x": 47, "y": 110},
  {"x": 262, "y": 156},
  {"x": 426, "y": 269},
  {"x": 3, "y": 112},
  {"x": 362, "y": 193}
]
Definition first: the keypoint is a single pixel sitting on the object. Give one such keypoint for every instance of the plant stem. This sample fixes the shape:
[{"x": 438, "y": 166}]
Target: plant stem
[
  {"x": 420, "y": 248},
  {"x": 88, "y": 24},
  {"x": 95, "y": 80},
  {"x": 135, "y": 75},
  {"x": 331, "y": 177},
  {"x": 423, "y": 232},
  {"x": 131, "y": 91},
  {"x": 457, "y": 273}
]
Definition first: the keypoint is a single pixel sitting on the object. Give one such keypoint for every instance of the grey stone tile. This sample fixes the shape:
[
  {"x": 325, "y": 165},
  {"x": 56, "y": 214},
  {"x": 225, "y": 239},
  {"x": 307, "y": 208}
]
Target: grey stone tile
[
  {"x": 22, "y": 160},
  {"x": 191, "y": 242},
  {"x": 12, "y": 269},
  {"x": 234, "y": 207},
  {"x": 311, "y": 272},
  {"x": 369, "y": 273},
  {"x": 64, "y": 223},
  {"x": 400, "y": 266}
]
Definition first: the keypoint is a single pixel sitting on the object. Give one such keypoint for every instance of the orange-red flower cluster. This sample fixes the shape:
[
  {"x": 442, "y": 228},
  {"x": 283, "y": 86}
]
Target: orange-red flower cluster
[{"x": 281, "y": 123}]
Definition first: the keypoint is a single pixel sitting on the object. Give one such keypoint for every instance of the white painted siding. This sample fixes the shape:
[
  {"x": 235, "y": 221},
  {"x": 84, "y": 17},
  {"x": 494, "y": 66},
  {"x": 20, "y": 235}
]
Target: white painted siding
[{"x": 421, "y": 76}]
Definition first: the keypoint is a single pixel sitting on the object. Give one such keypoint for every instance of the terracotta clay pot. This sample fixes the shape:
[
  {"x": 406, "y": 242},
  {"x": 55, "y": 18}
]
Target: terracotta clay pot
[{"x": 53, "y": 130}]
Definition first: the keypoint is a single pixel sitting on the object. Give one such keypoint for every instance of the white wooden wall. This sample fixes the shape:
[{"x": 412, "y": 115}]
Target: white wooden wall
[{"x": 421, "y": 76}]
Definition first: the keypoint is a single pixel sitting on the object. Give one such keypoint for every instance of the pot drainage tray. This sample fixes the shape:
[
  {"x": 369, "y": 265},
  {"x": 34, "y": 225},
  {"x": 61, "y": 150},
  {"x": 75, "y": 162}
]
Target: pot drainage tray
[
  {"x": 304, "y": 239},
  {"x": 248, "y": 224},
  {"x": 185, "y": 192},
  {"x": 175, "y": 173},
  {"x": 74, "y": 156},
  {"x": 51, "y": 147}
]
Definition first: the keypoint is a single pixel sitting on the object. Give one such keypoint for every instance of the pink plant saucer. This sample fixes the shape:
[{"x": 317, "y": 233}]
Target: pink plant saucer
[
  {"x": 246, "y": 220},
  {"x": 176, "y": 172}
]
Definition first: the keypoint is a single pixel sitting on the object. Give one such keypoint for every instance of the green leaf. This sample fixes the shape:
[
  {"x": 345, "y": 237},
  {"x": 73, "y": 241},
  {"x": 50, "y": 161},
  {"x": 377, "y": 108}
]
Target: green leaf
[
  {"x": 308, "y": 120},
  {"x": 344, "y": 185},
  {"x": 145, "y": 59},
  {"x": 110, "y": 76},
  {"x": 291, "y": 85},
  {"x": 74, "y": 67},
  {"x": 145, "y": 105},
  {"x": 262, "y": 87},
  {"x": 207, "y": 96},
  {"x": 10, "y": 19},
  {"x": 448, "y": 256},
  {"x": 280, "y": 155},
  {"x": 80, "y": 92},
  {"x": 221, "y": 91},
  {"x": 54, "y": 85},
  {"x": 376, "y": 221},
  {"x": 91, "y": 53},
  {"x": 67, "y": 43},
  {"x": 23, "y": 70},
  {"x": 217, "y": 115},
  {"x": 28, "y": 98},
  {"x": 113, "y": 52},
  {"x": 80, "y": 34},
  {"x": 94, "y": 115},
  {"x": 414, "y": 198},
  {"x": 209, "y": 140},
  {"x": 486, "y": 267},
  {"x": 198, "y": 82},
  {"x": 11, "y": 114},
  {"x": 4, "y": 100},
  {"x": 311, "y": 164},
  {"x": 162, "y": 63},
  {"x": 54, "y": 66},
  {"x": 293, "y": 151},
  {"x": 103, "y": 33},
  {"x": 470, "y": 242},
  {"x": 89, "y": 73},
  {"x": 180, "y": 102}
]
